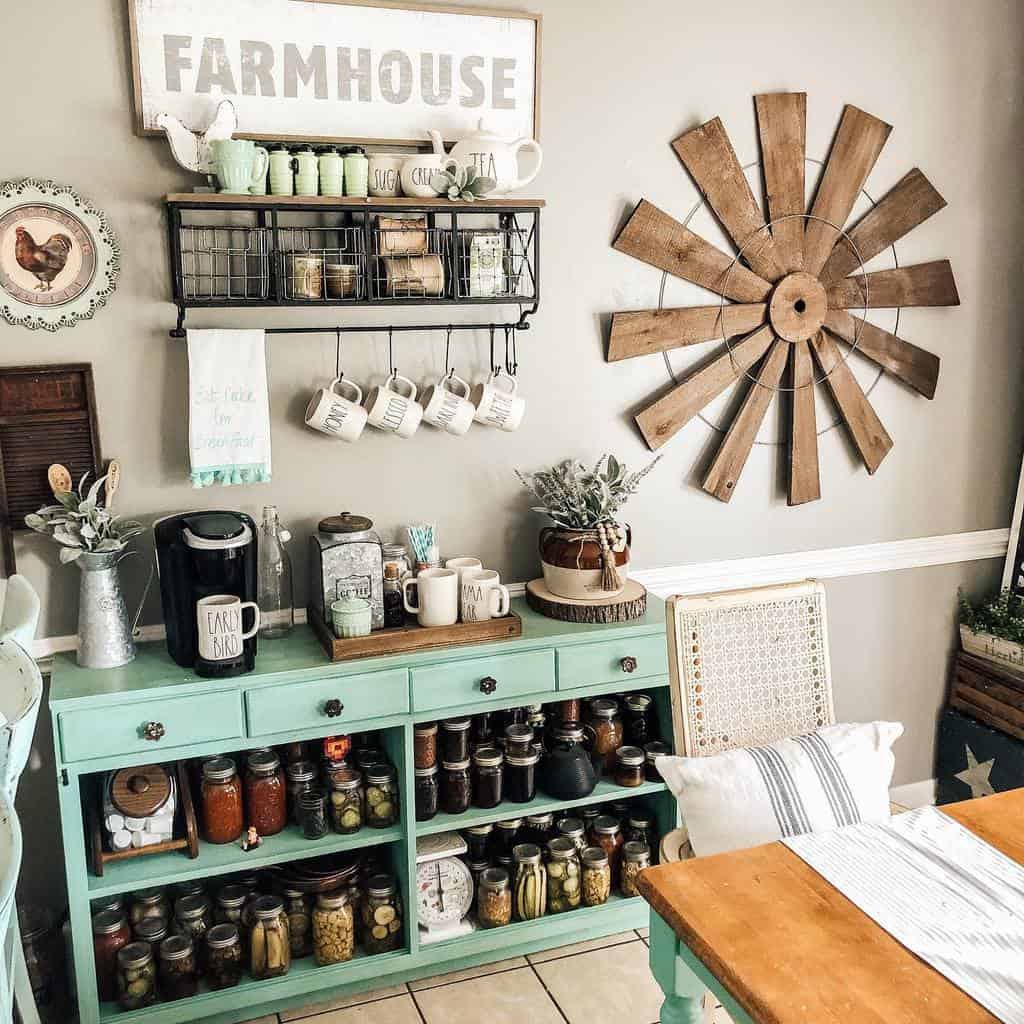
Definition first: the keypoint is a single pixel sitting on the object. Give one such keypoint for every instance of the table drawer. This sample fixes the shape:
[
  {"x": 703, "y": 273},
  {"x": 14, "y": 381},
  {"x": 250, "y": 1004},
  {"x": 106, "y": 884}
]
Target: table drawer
[
  {"x": 609, "y": 662},
  {"x": 458, "y": 683},
  {"x": 101, "y": 732},
  {"x": 343, "y": 699}
]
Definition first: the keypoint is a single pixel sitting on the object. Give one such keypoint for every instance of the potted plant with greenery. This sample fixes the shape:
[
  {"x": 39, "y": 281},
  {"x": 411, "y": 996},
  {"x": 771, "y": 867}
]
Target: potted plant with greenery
[
  {"x": 585, "y": 554},
  {"x": 994, "y": 629}
]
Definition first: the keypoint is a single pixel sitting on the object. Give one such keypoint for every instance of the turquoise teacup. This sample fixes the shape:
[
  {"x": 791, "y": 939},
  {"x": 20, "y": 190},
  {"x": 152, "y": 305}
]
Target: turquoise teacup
[{"x": 241, "y": 165}]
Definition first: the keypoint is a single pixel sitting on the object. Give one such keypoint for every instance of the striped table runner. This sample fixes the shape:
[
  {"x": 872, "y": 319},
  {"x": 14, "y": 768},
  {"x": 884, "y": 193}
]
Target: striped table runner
[{"x": 941, "y": 891}]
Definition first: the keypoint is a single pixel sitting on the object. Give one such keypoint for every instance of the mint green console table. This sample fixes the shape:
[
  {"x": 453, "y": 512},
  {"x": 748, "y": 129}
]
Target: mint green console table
[{"x": 100, "y": 722}]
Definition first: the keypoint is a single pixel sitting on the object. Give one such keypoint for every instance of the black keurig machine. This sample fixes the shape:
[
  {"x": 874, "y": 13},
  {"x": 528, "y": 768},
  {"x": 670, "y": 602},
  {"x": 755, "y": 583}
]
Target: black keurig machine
[{"x": 199, "y": 555}]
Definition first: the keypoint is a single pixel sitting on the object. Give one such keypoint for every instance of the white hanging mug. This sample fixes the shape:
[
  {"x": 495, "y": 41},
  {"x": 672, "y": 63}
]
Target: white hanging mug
[
  {"x": 483, "y": 597},
  {"x": 333, "y": 414},
  {"x": 437, "y": 596},
  {"x": 444, "y": 407},
  {"x": 498, "y": 406},
  {"x": 388, "y": 409},
  {"x": 219, "y": 619}
]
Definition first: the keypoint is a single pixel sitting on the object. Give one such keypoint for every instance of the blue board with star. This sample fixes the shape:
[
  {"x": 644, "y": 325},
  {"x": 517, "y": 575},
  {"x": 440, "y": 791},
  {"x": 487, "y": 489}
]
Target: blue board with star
[{"x": 974, "y": 759}]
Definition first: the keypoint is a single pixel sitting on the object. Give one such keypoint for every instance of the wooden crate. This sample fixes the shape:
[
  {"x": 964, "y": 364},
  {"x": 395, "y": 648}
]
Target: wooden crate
[{"x": 989, "y": 693}]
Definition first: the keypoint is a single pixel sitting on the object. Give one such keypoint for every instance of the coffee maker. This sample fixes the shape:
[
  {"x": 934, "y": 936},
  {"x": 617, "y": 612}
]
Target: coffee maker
[{"x": 200, "y": 554}]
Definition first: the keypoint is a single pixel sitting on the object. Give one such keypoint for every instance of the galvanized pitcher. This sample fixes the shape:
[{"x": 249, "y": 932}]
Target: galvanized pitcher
[{"x": 105, "y": 635}]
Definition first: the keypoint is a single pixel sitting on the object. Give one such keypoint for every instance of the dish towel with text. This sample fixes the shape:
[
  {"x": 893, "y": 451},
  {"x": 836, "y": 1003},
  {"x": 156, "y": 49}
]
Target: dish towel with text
[
  {"x": 938, "y": 889},
  {"x": 229, "y": 409}
]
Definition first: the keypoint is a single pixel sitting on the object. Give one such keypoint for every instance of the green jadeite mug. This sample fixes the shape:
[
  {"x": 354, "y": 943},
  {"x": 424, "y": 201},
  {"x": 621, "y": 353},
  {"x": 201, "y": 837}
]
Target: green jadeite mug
[{"x": 241, "y": 165}]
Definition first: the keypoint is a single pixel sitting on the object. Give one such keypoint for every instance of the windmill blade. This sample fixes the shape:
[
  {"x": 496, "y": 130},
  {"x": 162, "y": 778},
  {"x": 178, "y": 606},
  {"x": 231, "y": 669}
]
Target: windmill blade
[
  {"x": 924, "y": 284},
  {"x": 804, "y": 484},
  {"x": 855, "y": 149},
  {"x": 645, "y": 331},
  {"x": 654, "y": 237},
  {"x": 862, "y": 424},
  {"x": 724, "y": 472},
  {"x": 782, "y": 127},
  {"x": 660, "y": 421},
  {"x": 907, "y": 362},
  {"x": 910, "y": 203},
  {"x": 707, "y": 154}
]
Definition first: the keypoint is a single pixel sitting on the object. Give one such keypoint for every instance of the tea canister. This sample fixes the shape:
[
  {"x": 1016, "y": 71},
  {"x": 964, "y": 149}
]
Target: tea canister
[{"x": 346, "y": 561}]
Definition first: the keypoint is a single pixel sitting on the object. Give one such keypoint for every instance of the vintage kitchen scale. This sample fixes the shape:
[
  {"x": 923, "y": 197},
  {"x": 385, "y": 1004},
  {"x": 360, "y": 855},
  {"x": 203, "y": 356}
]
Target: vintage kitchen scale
[{"x": 444, "y": 887}]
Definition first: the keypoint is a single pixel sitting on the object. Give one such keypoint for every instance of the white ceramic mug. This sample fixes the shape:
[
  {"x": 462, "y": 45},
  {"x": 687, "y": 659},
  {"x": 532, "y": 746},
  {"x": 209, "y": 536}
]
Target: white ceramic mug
[
  {"x": 462, "y": 566},
  {"x": 496, "y": 405},
  {"x": 386, "y": 174},
  {"x": 219, "y": 618},
  {"x": 482, "y": 596},
  {"x": 444, "y": 407},
  {"x": 333, "y": 414},
  {"x": 437, "y": 594},
  {"x": 388, "y": 409}
]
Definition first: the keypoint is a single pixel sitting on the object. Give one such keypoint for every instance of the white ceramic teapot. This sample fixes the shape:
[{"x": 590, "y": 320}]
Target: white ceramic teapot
[{"x": 491, "y": 157}]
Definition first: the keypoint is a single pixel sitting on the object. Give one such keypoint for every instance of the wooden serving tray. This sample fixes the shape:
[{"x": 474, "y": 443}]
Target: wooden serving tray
[{"x": 412, "y": 637}]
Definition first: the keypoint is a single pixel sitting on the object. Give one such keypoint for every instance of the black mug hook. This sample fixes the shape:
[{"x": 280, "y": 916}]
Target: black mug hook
[
  {"x": 449, "y": 369},
  {"x": 391, "y": 352},
  {"x": 337, "y": 355},
  {"x": 494, "y": 366}
]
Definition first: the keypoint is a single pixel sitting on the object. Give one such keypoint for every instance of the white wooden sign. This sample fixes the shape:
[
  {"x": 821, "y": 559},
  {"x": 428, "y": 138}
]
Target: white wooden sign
[{"x": 336, "y": 70}]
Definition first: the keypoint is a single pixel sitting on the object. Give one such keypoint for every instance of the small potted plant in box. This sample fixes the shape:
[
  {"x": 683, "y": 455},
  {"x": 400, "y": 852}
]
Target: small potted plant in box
[
  {"x": 585, "y": 555},
  {"x": 994, "y": 630}
]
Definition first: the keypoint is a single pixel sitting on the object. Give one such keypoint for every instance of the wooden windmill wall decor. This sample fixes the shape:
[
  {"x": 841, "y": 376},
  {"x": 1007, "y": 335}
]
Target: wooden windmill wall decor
[{"x": 787, "y": 294}]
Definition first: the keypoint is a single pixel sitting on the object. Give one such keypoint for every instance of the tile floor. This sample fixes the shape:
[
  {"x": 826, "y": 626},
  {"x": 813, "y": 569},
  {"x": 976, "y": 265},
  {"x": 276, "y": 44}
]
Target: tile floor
[{"x": 604, "y": 979}]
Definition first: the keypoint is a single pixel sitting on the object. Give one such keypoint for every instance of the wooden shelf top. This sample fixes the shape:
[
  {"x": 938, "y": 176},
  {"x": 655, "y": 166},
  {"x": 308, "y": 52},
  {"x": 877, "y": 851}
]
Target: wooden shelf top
[{"x": 348, "y": 202}]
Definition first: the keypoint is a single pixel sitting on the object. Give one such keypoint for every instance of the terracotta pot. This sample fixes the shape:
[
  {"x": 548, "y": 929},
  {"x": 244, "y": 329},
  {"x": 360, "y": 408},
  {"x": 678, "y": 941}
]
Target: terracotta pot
[{"x": 571, "y": 560}]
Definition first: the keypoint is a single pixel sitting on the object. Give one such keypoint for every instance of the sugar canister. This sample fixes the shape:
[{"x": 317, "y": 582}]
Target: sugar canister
[{"x": 346, "y": 561}]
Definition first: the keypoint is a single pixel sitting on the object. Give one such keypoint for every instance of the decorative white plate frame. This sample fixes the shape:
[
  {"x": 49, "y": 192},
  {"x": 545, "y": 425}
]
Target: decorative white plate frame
[
  {"x": 59, "y": 201},
  {"x": 748, "y": 667}
]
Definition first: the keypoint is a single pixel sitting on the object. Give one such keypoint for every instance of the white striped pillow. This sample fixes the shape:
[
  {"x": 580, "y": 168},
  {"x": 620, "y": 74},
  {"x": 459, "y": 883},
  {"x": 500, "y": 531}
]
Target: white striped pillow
[{"x": 838, "y": 775}]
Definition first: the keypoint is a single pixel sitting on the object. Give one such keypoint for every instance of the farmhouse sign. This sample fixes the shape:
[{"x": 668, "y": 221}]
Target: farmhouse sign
[{"x": 336, "y": 71}]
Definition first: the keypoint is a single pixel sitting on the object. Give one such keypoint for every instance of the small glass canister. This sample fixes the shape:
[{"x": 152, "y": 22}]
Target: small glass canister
[
  {"x": 110, "y": 934},
  {"x": 381, "y": 915},
  {"x": 456, "y": 788},
  {"x": 153, "y": 930},
  {"x": 149, "y": 903},
  {"x": 563, "y": 875},
  {"x": 477, "y": 839},
  {"x": 313, "y": 814},
  {"x": 518, "y": 740},
  {"x": 136, "y": 976},
  {"x": 597, "y": 877},
  {"x": 639, "y": 727},
  {"x": 424, "y": 745},
  {"x": 221, "y": 801},
  {"x": 521, "y": 776},
  {"x": 223, "y": 957},
  {"x": 177, "y": 973},
  {"x": 573, "y": 828},
  {"x": 381, "y": 800},
  {"x": 299, "y": 908},
  {"x": 333, "y": 929},
  {"x": 506, "y": 836},
  {"x": 652, "y": 751},
  {"x": 605, "y": 832},
  {"x": 488, "y": 776},
  {"x": 640, "y": 828},
  {"x": 347, "y": 801},
  {"x": 494, "y": 898},
  {"x": 635, "y": 857},
  {"x": 230, "y": 901},
  {"x": 301, "y": 778},
  {"x": 395, "y": 554},
  {"x": 629, "y": 767},
  {"x": 426, "y": 793},
  {"x": 269, "y": 942},
  {"x": 193, "y": 917},
  {"x": 539, "y": 829},
  {"x": 265, "y": 798},
  {"x": 455, "y": 739},
  {"x": 607, "y": 730}
]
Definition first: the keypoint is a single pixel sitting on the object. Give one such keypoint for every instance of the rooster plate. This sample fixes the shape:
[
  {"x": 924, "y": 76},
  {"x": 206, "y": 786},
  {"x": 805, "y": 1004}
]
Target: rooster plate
[{"x": 59, "y": 258}]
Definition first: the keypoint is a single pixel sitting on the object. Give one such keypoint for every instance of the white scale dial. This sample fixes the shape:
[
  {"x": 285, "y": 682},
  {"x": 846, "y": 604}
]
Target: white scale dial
[{"x": 444, "y": 891}]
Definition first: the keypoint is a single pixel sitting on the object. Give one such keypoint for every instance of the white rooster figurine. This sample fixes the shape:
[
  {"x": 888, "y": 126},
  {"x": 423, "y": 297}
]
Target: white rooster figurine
[{"x": 194, "y": 151}]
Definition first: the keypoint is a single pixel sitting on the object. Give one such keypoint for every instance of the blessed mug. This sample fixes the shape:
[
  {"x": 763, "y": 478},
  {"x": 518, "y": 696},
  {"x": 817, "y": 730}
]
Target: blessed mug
[
  {"x": 219, "y": 619},
  {"x": 388, "y": 409},
  {"x": 444, "y": 407},
  {"x": 332, "y": 413},
  {"x": 498, "y": 406},
  {"x": 482, "y": 596},
  {"x": 437, "y": 596}
]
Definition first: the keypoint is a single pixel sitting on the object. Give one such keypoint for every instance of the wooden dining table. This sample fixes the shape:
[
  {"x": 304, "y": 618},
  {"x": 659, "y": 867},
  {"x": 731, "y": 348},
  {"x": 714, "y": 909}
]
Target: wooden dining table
[{"x": 777, "y": 944}]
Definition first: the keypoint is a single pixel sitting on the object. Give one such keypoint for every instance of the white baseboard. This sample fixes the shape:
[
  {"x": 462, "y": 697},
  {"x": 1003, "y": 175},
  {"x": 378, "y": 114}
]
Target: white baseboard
[{"x": 914, "y": 794}]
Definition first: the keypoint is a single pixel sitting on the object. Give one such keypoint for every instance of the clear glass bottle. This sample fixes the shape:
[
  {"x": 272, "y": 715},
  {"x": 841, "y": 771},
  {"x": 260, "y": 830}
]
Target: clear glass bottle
[
  {"x": 274, "y": 577},
  {"x": 563, "y": 869}
]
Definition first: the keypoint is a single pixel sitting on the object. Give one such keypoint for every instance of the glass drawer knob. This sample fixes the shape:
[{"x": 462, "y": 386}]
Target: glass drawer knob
[
  {"x": 628, "y": 663},
  {"x": 333, "y": 708},
  {"x": 153, "y": 731},
  {"x": 488, "y": 684}
]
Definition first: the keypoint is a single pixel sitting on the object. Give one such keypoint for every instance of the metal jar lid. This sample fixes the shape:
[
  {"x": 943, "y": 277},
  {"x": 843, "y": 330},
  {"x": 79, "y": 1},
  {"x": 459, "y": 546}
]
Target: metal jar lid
[
  {"x": 188, "y": 888},
  {"x": 631, "y": 757},
  {"x": 149, "y": 897},
  {"x": 495, "y": 879},
  {"x": 177, "y": 947},
  {"x": 544, "y": 820},
  {"x": 188, "y": 908},
  {"x": 523, "y": 760},
  {"x": 640, "y": 818},
  {"x": 107, "y": 922},
  {"x": 311, "y": 799},
  {"x": 425, "y": 729},
  {"x": 379, "y": 774},
  {"x": 509, "y": 824},
  {"x": 346, "y": 778},
  {"x": 233, "y": 895},
  {"x": 332, "y": 900},
  {"x": 368, "y": 756},
  {"x": 393, "y": 550},
  {"x": 568, "y": 732},
  {"x": 606, "y": 825},
  {"x": 266, "y": 908},
  {"x": 526, "y": 853},
  {"x": 604, "y": 707},
  {"x": 638, "y": 702},
  {"x": 105, "y": 903},
  {"x": 222, "y": 936},
  {"x": 455, "y": 766},
  {"x": 571, "y": 827},
  {"x": 134, "y": 955},
  {"x": 346, "y": 525},
  {"x": 655, "y": 749},
  {"x": 220, "y": 769},
  {"x": 636, "y": 851},
  {"x": 521, "y": 734},
  {"x": 561, "y": 848},
  {"x": 151, "y": 930},
  {"x": 381, "y": 886},
  {"x": 481, "y": 830},
  {"x": 300, "y": 771},
  {"x": 263, "y": 762},
  {"x": 425, "y": 773},
  {"x": 594, "y": 857},
  {"x": 455, "y": 724},
  {"x": 488, "y": 757}
]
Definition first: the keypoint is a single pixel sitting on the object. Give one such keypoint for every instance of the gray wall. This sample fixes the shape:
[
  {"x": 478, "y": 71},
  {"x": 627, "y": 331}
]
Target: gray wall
[{"x": 619, "y": 81}]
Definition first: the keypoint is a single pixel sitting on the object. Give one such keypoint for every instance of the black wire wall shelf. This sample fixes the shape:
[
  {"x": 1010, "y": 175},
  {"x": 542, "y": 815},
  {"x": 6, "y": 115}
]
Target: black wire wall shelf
[{"x": 309, "y": 252}]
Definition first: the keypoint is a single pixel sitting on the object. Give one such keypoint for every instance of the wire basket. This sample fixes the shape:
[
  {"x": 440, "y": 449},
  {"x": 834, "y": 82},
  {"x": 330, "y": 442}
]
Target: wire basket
[
  {"x": 222, "y": 263},
  {"x": 413, "y": 260},
  {"x": 494, "y": 263},
  {"x": 322, "y": 264}
]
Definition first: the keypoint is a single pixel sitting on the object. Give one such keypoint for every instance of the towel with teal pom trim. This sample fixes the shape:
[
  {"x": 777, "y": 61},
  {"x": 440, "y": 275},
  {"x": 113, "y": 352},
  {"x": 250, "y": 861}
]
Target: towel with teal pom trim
[{"x": 229, "y": 408}]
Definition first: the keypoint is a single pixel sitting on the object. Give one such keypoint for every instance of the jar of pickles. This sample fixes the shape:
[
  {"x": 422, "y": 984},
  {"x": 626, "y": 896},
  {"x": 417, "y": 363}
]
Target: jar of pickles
[
  {"x": 265, "y": 793},
  {"x": 424, "y": 745},
  {"x": 299, "y": 908},
  {"x": 301, "y": 778},
  {"x": 455, "y": 788},
  {"x": 629, "y": 767},
  {"x": 381, "y": 915},
  {"x": 639, "y": 727},
  {"x": 223, "y": 957},
  {"x": 635, "y": 857},
  {"x": 333, "y": 929},
  {"x": 426, "y": 793},
  {"x": 652, "y": 751},
  {"x": 607, "y": 733},
  {"x": 563, "y": 869},
  {"x": 477, "y": 839},
  {"x": 494, "y": 898},
  {"x": 605, "y": 832},
  {"x": 381, "y": 799},
  {"x": 149, "y": 903},
  {"x": 597, "y": 877},
  {"x": 221, "y": 801},
  {"x": 455, "y": 739},
  {"x": 177, "y": 973},
  {"x": 110, "y": 934},
  {"x": 488, "y": 777},
  {"x": 269, "y": 942},
  {"x": 572, "y": 828},
  {"x": 530, "y": 889},
  {"x": 521, "y": 776},
  {"x": 136, "y": 976},
  {"x": 346, "y": 801}
]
